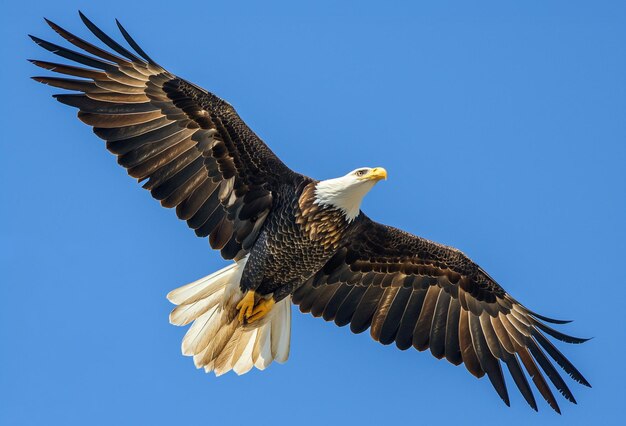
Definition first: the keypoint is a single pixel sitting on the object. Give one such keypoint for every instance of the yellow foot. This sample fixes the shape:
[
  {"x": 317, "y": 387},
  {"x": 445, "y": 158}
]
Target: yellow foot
[
  {"x": 249, "y": 311},
  {"x": 261, "y": 309},
  {"x": 246, "y": 305}
]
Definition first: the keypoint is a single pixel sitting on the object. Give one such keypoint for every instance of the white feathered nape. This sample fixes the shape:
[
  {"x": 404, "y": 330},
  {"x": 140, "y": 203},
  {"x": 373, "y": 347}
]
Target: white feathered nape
[{"x": 217, "y": 340}]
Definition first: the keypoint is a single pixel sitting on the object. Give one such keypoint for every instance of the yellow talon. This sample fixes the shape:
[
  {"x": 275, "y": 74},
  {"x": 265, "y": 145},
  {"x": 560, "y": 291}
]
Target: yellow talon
[
  {"x": 246, "y": 305},
  {"x": 250, "y": 312},
  {"x": 261, "y": 309}
]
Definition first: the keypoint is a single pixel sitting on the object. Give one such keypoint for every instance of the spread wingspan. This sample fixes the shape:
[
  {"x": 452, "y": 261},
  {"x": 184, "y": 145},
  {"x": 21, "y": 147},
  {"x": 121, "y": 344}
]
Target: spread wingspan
[{"x": 193, "y": 152}]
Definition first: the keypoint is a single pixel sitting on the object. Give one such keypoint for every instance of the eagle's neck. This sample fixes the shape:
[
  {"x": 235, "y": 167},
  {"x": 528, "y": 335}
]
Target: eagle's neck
[{"x": 338, "y": 194}]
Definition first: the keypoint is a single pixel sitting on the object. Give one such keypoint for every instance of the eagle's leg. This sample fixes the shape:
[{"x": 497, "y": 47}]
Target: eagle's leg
[{"x": 254, "y": 307}]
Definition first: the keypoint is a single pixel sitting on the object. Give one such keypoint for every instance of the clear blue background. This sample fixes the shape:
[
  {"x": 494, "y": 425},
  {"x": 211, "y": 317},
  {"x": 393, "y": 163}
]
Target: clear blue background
[{"x": 502, "y": 127}]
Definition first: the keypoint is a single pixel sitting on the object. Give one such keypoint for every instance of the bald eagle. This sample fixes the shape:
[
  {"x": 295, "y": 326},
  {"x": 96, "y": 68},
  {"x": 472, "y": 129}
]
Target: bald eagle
[{"x": 292, "y": 239}]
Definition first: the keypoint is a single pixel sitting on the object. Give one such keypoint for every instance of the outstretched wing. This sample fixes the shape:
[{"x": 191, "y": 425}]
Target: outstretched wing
[
  {"x": 190, "y": 147},
  {"x": 414, "y": 292}
]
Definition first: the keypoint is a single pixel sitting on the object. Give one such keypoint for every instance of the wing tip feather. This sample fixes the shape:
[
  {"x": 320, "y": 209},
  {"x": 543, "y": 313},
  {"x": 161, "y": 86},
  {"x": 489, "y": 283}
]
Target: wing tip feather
[
  {"x": 50, "y": 23},
  {"x": 133, "y": 43},
  {"x": 36, "y": 39}
]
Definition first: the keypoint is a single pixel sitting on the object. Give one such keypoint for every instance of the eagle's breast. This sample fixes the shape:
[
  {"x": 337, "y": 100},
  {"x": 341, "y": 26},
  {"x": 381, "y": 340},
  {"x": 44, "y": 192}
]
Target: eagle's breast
[{"x": 322, "y": 224}]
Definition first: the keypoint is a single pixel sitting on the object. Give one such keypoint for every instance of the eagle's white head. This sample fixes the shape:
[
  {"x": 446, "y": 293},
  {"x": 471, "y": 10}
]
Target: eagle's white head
[{"x": 346, "y": 193}]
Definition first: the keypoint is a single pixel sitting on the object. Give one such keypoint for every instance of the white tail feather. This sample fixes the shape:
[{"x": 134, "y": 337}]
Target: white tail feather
[{"x": 217, "y": 340}]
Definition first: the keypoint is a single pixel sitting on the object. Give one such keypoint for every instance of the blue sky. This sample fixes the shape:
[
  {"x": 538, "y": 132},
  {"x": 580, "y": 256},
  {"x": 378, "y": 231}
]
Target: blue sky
[{"x": 501, "y": 125}]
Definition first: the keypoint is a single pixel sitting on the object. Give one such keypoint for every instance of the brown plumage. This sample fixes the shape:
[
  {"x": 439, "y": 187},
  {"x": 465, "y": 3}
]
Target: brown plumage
[{"x": 326, "y": 227}]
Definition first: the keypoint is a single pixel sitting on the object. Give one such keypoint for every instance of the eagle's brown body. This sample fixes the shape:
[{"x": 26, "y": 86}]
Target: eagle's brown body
[{"x": 298, "y": 239}]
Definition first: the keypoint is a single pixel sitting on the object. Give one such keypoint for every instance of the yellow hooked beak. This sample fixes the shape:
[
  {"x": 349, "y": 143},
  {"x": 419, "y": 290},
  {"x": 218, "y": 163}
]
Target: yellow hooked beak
[{"x": 376, "y": 174}]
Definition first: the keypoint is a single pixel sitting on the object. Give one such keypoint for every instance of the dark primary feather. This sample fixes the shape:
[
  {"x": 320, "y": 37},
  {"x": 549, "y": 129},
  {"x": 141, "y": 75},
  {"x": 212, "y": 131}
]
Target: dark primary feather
[
  {"x": 191, "y": 147},
  {"x": 427, "y": 295},
  {"x": 404, "y": 336},
  {"x": 108, "y": 40},
  {"x": 391, "y": 323},
  {"x": 134, "y": 44}
]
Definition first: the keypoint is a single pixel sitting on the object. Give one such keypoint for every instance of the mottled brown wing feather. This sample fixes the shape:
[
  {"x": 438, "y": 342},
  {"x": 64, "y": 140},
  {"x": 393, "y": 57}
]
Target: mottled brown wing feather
[
  {"x": 415, "y": 292},
  {"x": 190, "y": 147}
]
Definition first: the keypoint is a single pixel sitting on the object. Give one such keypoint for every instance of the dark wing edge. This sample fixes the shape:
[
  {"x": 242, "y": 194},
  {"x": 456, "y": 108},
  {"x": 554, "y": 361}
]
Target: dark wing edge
[
  {"x": 414, "y": 292},
  {"x": 190, "y": 147}
]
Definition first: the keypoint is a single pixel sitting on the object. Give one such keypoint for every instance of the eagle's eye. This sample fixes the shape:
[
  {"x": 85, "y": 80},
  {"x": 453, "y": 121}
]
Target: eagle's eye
[{"x": 361, "y": 172}]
